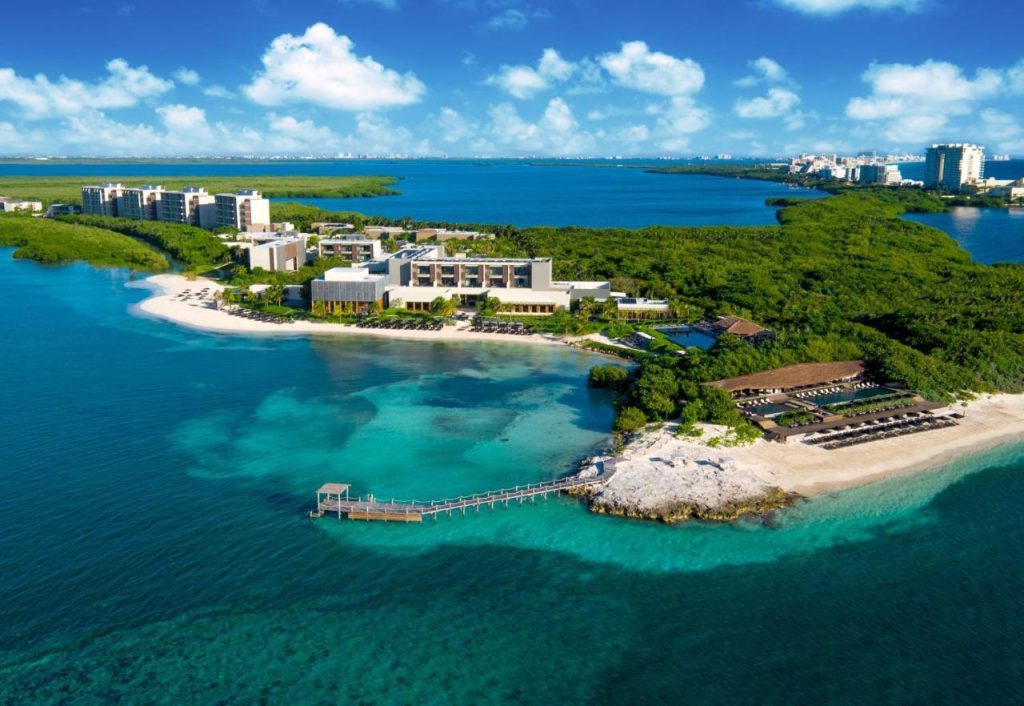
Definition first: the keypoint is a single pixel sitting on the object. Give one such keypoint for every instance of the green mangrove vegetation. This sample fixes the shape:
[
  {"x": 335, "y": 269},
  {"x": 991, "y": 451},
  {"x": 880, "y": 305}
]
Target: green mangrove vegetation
[
  {"x": 68, "y": 189},
  {"x": 196, "y": 248},
  {"x": 54, "y": 242}
]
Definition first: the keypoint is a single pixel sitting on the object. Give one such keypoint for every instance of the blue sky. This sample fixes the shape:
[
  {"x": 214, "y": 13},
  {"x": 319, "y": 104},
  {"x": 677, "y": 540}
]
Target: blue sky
[{"x": 509, "y": 77}]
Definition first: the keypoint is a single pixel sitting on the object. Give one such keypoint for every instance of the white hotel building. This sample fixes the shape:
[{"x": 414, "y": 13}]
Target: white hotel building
[
  {"x": 245, "y": 210},
  {"x": 952, "y": 167},
  {"x": 416, "y": 276}
]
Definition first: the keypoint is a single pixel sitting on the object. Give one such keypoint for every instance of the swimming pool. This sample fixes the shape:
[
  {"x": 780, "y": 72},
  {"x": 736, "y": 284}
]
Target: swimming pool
[
  {"x": 688, "y": 337},
  {"x": 849, "y": 396},
  {"x": 768, "y": 410}
]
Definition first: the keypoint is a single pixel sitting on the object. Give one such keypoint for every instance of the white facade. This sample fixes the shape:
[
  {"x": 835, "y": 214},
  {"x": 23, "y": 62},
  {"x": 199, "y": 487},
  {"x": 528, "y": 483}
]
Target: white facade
[
  {"x": 285, "y": 254},
  {"x": 101, "y": 200},
  {"x": 951, "y": 167},
  {"x": 8, "y": 205},
  {"x": 139, "y": 203},
  {"x": 192, "y": 206},
  {"x": 245, "y": 210}
]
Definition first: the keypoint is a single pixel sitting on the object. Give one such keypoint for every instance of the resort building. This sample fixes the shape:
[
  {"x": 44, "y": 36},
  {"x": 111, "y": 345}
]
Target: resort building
[
  {"x": 443, "y": 234},
  {"x": 101, "y": 200},
  {"x": 139, "y": 203},
  {"x": 353, "y": 289},
  {"x": 282, "y": 254},
  {"x": 8, "y": 205},
  {"x": 636, "y": 308},
  {"x": 352, "y": 248},
  {"x": 62, "y": 209},
  {"x": 330, "y": 228},
  {"x": 792, "y": 378},
  {"x": 739, "y": 327},
  {"x": 191, "y": 206},
  {"x": 952, "y": 167},
  {"x": 885, "y": 174},
  {"x": 245, "y": 210},
  {"x": 416, "y": 276},
  {"x": 381, "y": 231}
]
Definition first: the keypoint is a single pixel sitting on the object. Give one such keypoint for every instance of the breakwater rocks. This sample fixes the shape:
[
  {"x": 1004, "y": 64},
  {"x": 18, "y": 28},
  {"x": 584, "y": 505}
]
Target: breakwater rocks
[{"x": 660, "y": 477}]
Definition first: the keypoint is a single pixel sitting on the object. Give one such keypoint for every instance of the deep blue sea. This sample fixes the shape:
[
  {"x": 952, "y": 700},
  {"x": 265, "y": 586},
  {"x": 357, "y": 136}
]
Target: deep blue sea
[
  {"x": 503, "y": 191},
  {"x": 153, "y": 546}
]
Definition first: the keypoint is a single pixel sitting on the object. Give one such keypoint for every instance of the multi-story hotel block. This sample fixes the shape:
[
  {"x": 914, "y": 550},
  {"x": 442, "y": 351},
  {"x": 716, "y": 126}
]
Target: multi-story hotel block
[
  {"x": 354, "y": 249},
  {"x": 139, "y": 203},
  {"x": 101, "y": 200},
  {"x": 952, "y": 167},
  {"x": 245, "y": 210},
  {"x": 9, "y": 205},
  {"x": 416, "y": 276},
  {"x": 283, "y": 254},
  {"x": 192, "y": 206}
]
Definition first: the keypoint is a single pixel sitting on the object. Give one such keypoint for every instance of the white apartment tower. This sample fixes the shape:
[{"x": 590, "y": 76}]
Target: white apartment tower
[
  {"x": 951, "y": 167},
  {"x": 192, "y": 205},
  {"x": 101, "y": 200},
  {"x": 140, "y": 203},
  {"x": 245, "y": 210}
]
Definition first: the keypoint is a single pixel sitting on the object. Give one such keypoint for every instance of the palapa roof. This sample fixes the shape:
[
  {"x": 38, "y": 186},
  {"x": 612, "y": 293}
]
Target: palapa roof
[
  {"x": 801, "y": 375},
  {"x": 333, "y": 488},
  {"x": 738, "y": 326}
]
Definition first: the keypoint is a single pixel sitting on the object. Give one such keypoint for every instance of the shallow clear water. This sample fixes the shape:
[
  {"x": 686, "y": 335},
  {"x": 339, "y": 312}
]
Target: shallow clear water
[{"x": 152, "y": 489}]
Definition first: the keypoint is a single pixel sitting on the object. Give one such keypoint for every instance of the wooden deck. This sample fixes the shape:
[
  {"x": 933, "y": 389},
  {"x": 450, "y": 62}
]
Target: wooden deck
[{"x": 333, "y": 501}]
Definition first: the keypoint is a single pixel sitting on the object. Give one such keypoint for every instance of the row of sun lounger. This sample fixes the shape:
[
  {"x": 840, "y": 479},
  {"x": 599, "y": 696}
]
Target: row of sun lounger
[
  {"x": 514, "y": 329},
  {"x": 402, "y": 324},
  {"x": 874, "y": 432},
  {"x": 259, "y": 316}
]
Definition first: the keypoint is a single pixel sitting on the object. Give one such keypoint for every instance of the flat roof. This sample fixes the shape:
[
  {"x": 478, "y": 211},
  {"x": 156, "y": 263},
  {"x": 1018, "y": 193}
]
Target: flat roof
[
  {"x": 800, "y": 375},
  {"x": 334, "y": 488},
  {"x": 351, "y": 274},
  {"x": 492, "y": 260}
]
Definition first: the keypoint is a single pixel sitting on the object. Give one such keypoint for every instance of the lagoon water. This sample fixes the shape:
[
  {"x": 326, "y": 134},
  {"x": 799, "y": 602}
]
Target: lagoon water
[
  {"x": 501, "y": 191},
  {"x": 152, "y": 489},
  {"x": 153, "y": 483}
]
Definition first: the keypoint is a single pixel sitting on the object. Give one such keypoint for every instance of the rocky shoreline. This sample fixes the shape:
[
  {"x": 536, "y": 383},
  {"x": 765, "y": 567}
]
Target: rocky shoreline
[{"x": 659, "y": 476}]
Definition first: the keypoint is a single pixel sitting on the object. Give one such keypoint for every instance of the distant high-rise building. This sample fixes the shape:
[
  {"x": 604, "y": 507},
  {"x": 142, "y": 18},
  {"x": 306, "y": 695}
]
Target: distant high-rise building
[
  {"x": 888, "y": 174},
  {"x": 101, "y": 200},
  {"x": 139, "y": 203},
  {"x": 951, "y": 167},
  {"x": 245, "y": 210}
]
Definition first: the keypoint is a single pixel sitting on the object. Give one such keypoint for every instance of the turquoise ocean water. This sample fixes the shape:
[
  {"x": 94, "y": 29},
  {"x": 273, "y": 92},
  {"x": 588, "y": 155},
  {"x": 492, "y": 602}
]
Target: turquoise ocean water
[{"x": 153, "y": 483}]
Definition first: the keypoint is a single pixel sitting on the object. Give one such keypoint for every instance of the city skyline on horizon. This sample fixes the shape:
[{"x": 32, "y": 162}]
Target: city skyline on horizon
[{"x": 503, "y": 78}]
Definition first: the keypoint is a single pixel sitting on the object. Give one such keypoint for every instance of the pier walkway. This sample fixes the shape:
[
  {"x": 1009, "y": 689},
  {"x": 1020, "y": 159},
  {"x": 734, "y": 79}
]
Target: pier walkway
[{"x": 333, "y": 499}]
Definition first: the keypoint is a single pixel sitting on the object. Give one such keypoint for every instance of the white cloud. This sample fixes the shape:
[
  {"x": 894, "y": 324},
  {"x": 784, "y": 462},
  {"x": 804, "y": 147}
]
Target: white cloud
[
  {"x": 524, "y": 82},
  {"x": 386, "y": 4},
  {"x": 915, "y": 102},
  {"x": 834, "y": 7},
  {"x": 40, "y": 98},
  {"x": 217, "y": 91},
  {"x": 1015, "y": 77},
  {"x": 765, "y": 71},
  {"x": 1003, "y": 130},
  {"x": 556, "y": 132},
  {"x": 454, "y": 127},
  {"x": 778, "y": 102},
  {"x": 510, "y": 18},
  {"x": 636, "y": 66},
  {"x": 186, "y": 76},
  {"x": 319, "y": 67}
]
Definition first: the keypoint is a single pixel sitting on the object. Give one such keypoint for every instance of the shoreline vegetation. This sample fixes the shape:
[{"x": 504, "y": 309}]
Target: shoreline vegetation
[
  {"x": 840, "y": 278},
  {"x": 68, "y": 189}
]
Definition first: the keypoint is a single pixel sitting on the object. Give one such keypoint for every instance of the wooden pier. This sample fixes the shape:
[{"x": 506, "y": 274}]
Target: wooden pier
[{"x": 334, "y": 499}]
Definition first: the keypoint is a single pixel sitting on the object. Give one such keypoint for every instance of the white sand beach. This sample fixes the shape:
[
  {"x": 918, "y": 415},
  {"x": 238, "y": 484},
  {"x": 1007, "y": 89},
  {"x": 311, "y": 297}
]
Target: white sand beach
[
  {"x": 199, "y": 311},
  {"x": 658, "y": 468},
  {"x": 659, "y": 471}
]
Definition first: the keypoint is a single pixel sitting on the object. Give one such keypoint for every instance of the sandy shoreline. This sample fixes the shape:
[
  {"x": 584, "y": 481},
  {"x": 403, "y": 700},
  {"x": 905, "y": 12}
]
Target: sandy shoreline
[
  {"x": 201, "y": 314},
  {"x": 649, "y": 464}
]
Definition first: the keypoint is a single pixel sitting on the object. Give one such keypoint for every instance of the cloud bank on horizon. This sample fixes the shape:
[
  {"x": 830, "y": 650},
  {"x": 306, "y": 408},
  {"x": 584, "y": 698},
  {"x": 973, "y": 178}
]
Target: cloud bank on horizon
[{"x": 512, "y": 81}]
